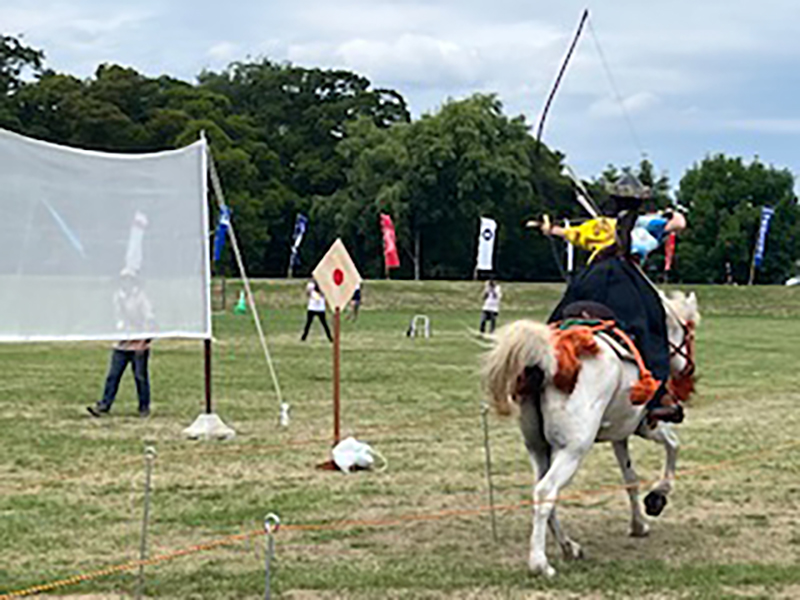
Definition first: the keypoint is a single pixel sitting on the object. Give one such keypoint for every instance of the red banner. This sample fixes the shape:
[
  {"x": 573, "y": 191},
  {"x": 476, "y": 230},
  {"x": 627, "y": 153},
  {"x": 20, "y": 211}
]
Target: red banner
[
  {"x": 669, "y": 251},
  {"x": 390, "y": 256}
]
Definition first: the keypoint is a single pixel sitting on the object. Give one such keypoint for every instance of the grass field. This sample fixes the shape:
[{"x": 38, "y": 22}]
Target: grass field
[{"x": 71, "y": 486}]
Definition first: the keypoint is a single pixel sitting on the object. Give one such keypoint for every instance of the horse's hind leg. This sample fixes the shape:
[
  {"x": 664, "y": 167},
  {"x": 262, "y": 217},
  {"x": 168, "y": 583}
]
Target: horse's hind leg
[
  {"x": 564, "y": 463},
  {"x": 639, "y": 527},
  {"x": 540, "y": 458},
  {"x": 656, "y": 500},
  {"x": 539, "y": 450},
  {"x": 570, "y": 548}
]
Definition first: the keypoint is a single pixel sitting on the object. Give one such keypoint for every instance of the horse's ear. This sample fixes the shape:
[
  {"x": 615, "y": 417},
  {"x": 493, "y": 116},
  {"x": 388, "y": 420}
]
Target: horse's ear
[{"x": 692, "y": 302}]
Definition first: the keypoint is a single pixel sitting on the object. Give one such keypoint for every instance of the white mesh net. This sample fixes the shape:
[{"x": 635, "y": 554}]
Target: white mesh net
[{"x": 102, "y": 246}]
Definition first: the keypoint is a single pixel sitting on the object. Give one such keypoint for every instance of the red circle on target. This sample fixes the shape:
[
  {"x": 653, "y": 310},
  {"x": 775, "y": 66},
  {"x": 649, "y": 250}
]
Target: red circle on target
[{"x": 338, "y": 276}]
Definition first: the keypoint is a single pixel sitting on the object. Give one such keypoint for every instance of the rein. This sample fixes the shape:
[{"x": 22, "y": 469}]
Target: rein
[
  {"x": 685, "y": 349},
  {"x": 681, "y": 385}
]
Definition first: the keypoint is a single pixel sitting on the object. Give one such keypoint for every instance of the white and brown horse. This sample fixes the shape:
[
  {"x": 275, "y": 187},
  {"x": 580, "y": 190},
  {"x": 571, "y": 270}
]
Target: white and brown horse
[{"x": 560, "y": 427}]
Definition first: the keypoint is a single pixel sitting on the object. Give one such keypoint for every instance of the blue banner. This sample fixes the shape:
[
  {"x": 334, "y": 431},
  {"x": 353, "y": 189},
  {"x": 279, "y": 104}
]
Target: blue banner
[
  {"x": 222, "y": 231},
  {"x": 300, "y": 226},
  {"x": 766, "y": 215}
]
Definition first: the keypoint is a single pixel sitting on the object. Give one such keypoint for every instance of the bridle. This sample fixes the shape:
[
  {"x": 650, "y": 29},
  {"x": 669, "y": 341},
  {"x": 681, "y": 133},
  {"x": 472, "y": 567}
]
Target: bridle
[{"x": 685, "y": 349}]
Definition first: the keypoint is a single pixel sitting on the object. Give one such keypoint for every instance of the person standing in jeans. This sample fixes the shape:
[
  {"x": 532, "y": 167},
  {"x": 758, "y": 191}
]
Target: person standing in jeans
[
  {"x": 134, "y": 314},
  {"x": 316, "y": 308},
  {"x": 491, "y": 305},
  {"x": 136, "y": 352}
]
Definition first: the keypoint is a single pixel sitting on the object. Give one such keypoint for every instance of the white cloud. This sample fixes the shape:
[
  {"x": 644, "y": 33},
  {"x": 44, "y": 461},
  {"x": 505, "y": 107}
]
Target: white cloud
[
  {"x": 790, "y": 126},
  {"x": 222, "y": 51},
  {"x": 415, "y": 59},
  {"x": 479, "y": 54},
  {"x": 69, "y": 26},
  {"x": 609, "y": 106}
]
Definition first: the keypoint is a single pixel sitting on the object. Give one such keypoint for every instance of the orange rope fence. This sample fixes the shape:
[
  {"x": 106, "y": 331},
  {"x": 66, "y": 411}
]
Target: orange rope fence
[{"x": 346, "y": 524}]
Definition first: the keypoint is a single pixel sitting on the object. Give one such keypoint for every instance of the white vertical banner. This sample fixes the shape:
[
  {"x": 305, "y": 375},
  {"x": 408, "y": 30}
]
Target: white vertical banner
[{"x": 486, "y": 237}]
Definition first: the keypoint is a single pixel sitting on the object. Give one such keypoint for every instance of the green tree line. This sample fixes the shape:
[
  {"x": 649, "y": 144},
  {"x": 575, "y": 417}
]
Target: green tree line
[{"x": 326, "y": 143}]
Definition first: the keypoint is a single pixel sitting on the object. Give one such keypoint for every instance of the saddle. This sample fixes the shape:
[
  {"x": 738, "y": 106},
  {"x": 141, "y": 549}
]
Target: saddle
[{"x": 577, "y": 337}]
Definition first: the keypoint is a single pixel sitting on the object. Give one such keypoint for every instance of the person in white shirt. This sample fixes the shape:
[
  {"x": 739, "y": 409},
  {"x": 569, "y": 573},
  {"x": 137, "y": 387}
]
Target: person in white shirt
[
  {"x": 316, "y": 308},
  {"x": 491, "y": 305}
]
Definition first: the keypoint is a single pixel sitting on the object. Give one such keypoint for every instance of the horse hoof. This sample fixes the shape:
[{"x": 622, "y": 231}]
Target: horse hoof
[
  {"x": 640, "y": 530},
  {"x": 573, "y": 551},
  {"x": 543, "y": 569},
  {"x": 654, "y": 503}
]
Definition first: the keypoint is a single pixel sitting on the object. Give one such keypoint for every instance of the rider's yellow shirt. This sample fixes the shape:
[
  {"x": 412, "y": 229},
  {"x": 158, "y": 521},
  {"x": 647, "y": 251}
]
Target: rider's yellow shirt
[{"x": 594, "y": 234}]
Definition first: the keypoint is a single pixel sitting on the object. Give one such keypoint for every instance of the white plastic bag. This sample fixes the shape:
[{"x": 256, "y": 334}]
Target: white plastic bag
[{"x": 351, "y": 453}]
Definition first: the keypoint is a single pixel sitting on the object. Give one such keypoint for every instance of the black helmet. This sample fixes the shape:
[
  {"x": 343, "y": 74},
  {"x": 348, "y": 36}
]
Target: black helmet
[{"x": 627, "y": 192}]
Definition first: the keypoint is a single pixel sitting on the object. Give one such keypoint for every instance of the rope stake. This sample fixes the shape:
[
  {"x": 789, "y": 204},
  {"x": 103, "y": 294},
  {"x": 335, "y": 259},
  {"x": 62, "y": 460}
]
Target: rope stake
[
  {"x": 271, "y": 524},
  {"x": 488, "y": 454},
  {"x": 395, "y": 521},
  {"x": 149, "y": 457}
]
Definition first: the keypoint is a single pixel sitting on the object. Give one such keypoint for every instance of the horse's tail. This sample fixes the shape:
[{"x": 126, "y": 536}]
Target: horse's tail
[{"x": 519, "y": 345}]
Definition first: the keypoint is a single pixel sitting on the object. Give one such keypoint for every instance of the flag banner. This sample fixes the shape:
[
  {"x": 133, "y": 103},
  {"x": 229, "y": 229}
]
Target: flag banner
[
  {"x": 300, "y": 226},
  {"x": 486, "y": 237},
  {"x": 766, "y": 215},
  {"x": 390, "y": 256},
  {"x": 222, "y": 231},
  {"x": 669, "y": 251},
  {"x": 102, "y": 246}
]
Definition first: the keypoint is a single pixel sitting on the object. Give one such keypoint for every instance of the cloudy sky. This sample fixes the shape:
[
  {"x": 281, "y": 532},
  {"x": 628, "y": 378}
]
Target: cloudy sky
[{"x": 694, "y": 77}]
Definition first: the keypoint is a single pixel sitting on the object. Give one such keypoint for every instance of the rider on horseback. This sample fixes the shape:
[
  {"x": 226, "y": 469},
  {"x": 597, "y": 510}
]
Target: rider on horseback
[{"x": 613, "y": 286}]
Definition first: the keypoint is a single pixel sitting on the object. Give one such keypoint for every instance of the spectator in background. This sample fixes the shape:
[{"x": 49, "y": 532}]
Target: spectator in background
[
  {"x": 491, "y": 305},
  {"x": 316, "y": 308},
  {"x": 134, "y": 314},
  {"x": 355, "y": 304}
]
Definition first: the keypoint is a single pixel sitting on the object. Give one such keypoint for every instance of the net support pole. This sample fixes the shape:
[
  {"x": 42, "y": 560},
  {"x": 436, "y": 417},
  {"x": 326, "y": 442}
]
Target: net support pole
[
  {"x": 217, "y": 187},
  {"x": 207, "y": 370},
  {"x": 208, "y": 425}
]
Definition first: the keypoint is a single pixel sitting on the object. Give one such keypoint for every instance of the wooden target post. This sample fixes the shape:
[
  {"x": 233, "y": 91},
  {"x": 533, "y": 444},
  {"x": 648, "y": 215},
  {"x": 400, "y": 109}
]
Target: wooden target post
[
  {"x": 337, "y": 327},
  {"x": 338, "y": 278}
]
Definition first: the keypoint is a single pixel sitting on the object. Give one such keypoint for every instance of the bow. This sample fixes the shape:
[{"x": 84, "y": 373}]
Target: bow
[{"x": 582, "y": 194}]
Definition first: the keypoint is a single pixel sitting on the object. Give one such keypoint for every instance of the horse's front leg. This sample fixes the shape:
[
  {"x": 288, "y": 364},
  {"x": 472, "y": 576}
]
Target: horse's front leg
[
  {"x": 639, "y": 527},
  {"x": 656, "y": 500}
]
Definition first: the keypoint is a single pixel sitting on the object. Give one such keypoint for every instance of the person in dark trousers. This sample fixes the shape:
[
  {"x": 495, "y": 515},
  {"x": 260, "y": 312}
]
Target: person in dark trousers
[
  {"x": 316, "y": 308},
  {"x": 491, "y": 305},
  {"x": 134, "y": 313},
  {"x": 355, "y": 304}
]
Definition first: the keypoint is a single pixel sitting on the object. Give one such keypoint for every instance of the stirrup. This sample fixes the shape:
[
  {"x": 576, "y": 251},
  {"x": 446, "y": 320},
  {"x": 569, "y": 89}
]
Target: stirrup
[{"x": 668, "y": 414}]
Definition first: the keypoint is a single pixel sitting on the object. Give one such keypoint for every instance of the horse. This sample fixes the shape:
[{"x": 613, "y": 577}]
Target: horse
[{"x": 559, "y": 428}]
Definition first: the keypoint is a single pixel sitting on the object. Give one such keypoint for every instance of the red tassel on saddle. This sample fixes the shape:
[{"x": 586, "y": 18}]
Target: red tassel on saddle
[
  {"x": 642, "y": 391},
  {"x": 570, "y": 345}
]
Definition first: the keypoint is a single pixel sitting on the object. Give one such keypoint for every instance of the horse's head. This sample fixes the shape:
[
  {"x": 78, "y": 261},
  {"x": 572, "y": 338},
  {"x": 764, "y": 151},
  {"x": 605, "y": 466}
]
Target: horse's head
[{"x": 683, "y": 317}]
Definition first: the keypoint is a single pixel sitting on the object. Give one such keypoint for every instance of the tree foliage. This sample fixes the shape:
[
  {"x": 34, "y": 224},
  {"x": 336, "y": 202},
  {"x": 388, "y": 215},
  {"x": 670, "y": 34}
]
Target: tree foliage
[
  {"x": 437, "y": 176},
  {"x": 724, "y": 196}
]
